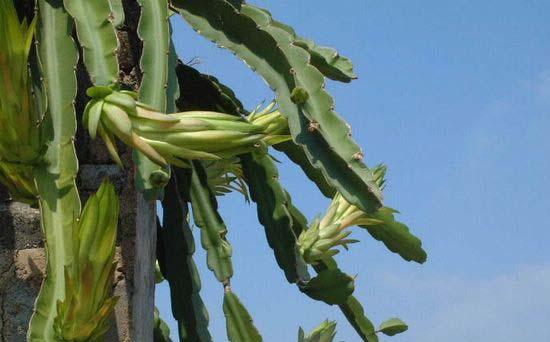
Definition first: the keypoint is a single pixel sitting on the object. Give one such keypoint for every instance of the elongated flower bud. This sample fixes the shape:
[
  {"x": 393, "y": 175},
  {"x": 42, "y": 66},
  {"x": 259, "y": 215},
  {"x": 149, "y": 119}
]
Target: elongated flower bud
[
  {"x": 167, "y": 139},
  {"x": 83, "y": 315}
]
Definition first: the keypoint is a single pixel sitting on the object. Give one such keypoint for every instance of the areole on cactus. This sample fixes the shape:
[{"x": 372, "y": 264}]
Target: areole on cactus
[{"x": 192, "y": 136}]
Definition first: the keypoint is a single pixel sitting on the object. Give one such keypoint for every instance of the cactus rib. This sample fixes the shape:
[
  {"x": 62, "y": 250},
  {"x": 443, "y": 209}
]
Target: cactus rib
[
  {"x": 178, "y": 266},
  {"x": 117, "y": 16},
  {"x": 59, "y": 200},
  {"x": 313, "y": 123},
  {"x": 240, "y": 327},
  {"x": 213, "y": 229},
  {"x": 97, "y": 36},
  {"x": 271, "y": 199},
  {"x": 204, "y": 92},
  {"x": 297, "y": 155},
  {"x": 326, "y": 59},
  {"x": 154, "y": 31}
]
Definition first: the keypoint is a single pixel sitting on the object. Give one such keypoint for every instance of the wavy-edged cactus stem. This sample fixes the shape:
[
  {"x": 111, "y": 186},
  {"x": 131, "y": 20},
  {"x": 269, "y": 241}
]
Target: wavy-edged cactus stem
[
  {"x": 168, "y": 139},
  {"x": 161, "y": 332},
  {"x": 239, "y": 324},
  {"x": 55, "y": 178},
  {"x": 249, "y": 32},
  {"x": 84, "y": 313},
  {"x": 318, "y": 241},
  {"x": 158, "y": 87},
  {"x": 97, "y": 37},
  {"x": 324, "y": 332},
  {"x": 175, "y": 250},
  {"x": 21, "y": 141}
]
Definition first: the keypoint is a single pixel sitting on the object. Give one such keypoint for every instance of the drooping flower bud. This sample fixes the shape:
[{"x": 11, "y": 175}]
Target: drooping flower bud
[{"x": 171, "y": 138}]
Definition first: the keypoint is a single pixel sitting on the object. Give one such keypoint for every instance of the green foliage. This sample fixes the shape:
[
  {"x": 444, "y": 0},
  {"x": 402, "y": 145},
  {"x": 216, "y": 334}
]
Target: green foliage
[
  {"x": 161, "y": 332},
  {"x": 19, "y": 181},
  {"x": 213, "y": 229},
  {"x": 396, "y": 236},
  {"x": 175, "y": 257},
  {"x": 21, "y": 142},
  {"x": 55, "y": 179},
  {"x": 204, "y": 92},
  {"x": 270, "y": 51},
  {"x": 271, "y": 199},
  {"x": 190, "y": 133},
  {"x": 84, "y": 313},
  {"x": 239, "y": 324},
  {"x": 97, "y": 37},
  {"x": 331, "y": 286},
  {"x": 154, "y": 31},
  {"x": 296, "y": 154},
  {"x": 393, "y": 326},
  {"x": 325, "y": 59},
  {"x": 117, "y": 15},
  {"x": 355, "y": 314},
  {"x": 325, "y": 332}
]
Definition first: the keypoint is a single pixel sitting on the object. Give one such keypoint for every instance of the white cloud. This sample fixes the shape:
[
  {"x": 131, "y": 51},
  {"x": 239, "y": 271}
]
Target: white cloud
[{"x": 512, "y": 307}]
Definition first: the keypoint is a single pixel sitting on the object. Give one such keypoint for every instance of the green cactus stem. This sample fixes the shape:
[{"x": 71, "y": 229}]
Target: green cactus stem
[
  {"x": 177, "y": 264},
  {"x": 97, "y": 37},
  {"x": 249, "y": 33},
  {"x": 55, "y": 179},
  {"x": 240, "y": 326},
  {"x": 213, "y": 229},
  {"x": 325, "y": 332},
  {"x": 156, "y": 65}
]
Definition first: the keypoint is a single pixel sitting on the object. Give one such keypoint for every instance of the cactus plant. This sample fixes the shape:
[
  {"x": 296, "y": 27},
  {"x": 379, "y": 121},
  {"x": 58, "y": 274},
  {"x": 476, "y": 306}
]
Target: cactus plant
[{"x": 192, "y": 140}]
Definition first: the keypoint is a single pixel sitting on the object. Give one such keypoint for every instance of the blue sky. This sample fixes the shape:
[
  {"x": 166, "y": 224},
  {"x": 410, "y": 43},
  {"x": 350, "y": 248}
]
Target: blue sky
[{"x": 455, "y": 98}]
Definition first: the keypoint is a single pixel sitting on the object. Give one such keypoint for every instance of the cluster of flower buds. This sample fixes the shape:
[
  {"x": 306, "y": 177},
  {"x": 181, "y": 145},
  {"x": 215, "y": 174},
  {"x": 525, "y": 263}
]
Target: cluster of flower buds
[
  {"x": 85, "y": 312},
  {"x": 274, "y": 124},
  {"x": 169, "y": 138},
  {"x": 321, "y": 238},
  {"x": 21, "y": 143}
]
